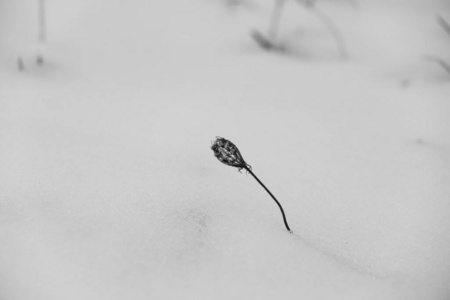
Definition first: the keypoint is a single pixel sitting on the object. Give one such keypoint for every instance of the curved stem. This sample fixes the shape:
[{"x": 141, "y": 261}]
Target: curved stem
[
  {"x": 339, "y": 39},
  {"x": 340, "y": 42},
  {"x": 439, "y": 61},
  {"x": 273, "y": 197}
]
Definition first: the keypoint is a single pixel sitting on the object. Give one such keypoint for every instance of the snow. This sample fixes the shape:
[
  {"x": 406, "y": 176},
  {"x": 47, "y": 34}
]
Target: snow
[{"x": 109, "y": 188}]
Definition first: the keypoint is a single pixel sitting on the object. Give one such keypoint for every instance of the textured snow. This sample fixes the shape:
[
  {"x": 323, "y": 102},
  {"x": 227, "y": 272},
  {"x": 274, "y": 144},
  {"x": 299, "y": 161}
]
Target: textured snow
[{"x": 109, "y": 188}]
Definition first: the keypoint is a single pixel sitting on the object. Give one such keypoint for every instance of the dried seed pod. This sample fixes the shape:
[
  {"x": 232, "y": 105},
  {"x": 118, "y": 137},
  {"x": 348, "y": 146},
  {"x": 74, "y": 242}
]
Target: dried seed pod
[{"x": 227, "y": 153}]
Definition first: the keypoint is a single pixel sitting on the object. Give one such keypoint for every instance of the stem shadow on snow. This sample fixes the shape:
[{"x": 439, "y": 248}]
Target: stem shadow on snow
[{"x": 340, "y": 259}]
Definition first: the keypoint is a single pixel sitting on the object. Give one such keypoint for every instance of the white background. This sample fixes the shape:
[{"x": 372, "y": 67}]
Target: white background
[{"x": 109, "y": 188}]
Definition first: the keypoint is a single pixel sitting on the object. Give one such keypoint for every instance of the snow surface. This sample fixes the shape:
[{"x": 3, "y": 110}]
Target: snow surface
[{"x": 109, "y": 188}]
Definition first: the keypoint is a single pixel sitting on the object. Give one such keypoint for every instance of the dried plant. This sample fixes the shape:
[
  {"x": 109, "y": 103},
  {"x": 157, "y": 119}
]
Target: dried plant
[
  {"x": 270, "y": 42},
  {"x": 20, "y": 64},
  {"x": 42, "y": 21},
  {"x": 444, "y": 24},
  {"x": 226, "y": 152},
  {"x": 42, "y": 29},
  {"x": 40, "y": 60},
  {"x": 435, "y": 58}
]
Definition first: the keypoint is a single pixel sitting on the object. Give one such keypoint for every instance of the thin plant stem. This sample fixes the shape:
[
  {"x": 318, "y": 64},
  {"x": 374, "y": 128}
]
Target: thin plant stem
[
  {"x": 42, "y": 33},
  {"x": 275, "y": 20},
  {"x": 340, "y": 42},
  {"x": 443, "y": 23},
  {"x": 273, "y": 197}
]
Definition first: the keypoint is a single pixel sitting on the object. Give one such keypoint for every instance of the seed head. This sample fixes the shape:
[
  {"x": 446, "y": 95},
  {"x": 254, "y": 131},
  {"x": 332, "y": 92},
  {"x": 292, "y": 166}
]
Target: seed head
[{"x": 227, "y": 153}]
